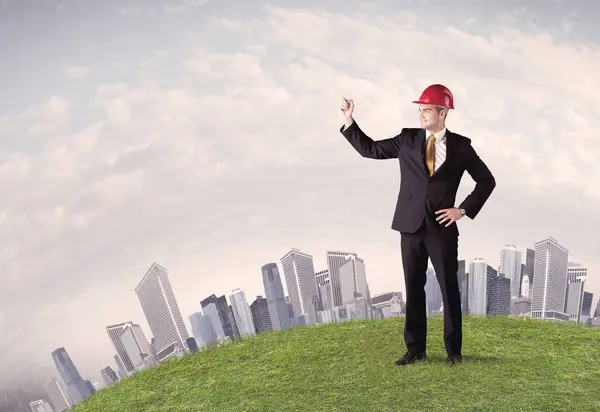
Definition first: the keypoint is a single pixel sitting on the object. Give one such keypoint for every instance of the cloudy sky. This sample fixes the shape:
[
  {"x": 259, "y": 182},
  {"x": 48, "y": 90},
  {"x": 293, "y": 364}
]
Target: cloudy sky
[{"x": 203, "y": 135}]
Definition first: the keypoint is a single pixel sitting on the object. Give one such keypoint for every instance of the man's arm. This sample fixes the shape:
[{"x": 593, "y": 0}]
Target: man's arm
[
  {"x": 484, "y": 183},
  {"x": 367, "y": 147}
]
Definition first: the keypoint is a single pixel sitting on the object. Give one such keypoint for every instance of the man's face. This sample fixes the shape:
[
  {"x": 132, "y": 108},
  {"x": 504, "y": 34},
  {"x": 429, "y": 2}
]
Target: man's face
[{"x": 429, "y": 116}]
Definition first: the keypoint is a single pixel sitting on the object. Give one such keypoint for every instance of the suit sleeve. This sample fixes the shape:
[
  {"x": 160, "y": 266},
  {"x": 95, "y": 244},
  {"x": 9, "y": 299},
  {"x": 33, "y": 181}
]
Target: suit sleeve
[
  {"x": 369, "y": 148},
  {"x": 484, "y": 183}
]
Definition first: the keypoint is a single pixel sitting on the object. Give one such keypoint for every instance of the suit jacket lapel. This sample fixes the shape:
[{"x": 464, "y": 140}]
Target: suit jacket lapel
[{"x": 422, "y": 143}]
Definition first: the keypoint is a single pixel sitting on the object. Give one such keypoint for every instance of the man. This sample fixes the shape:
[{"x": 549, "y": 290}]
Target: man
[{"x": 432, "y": 161}]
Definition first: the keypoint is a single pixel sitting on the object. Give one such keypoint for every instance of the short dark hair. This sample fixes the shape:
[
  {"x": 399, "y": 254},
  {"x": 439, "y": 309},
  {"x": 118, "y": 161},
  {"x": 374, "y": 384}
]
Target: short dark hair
[{"x": 440, "y": 108}]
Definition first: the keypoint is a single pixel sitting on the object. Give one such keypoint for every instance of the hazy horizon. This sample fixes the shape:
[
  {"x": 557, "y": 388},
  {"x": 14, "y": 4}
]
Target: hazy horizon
[{"x": 204, "y": 136}]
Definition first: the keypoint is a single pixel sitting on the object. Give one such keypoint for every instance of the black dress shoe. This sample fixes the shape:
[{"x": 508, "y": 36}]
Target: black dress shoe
[
  {"x": 454, "y": 358},
  {"x": 410, "y": 357}
]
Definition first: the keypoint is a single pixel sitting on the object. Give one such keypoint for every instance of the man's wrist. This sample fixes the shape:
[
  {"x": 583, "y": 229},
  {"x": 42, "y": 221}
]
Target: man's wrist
[{"x": 461, "y": 211}]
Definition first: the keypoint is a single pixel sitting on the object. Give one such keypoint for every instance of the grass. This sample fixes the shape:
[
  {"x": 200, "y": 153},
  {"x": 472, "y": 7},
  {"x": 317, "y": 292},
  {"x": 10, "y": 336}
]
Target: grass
[{"x": 508, "y": 365}]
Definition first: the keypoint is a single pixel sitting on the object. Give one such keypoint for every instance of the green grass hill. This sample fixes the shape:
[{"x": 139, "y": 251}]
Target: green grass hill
[{"x": 509, "y": 365}]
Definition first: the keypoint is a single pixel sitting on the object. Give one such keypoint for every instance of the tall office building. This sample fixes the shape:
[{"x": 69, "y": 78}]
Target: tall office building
[
  {"x": 224, "y": 314},
  {"x": 203, "y": 329},
  {"x": 260, "y": 315},
  {"x": 352, "y": 278},
  {"x": 478, "y": 287},
  {"x": 121, "y": 371},
  {"x": 109, "y": 376},
  {"x": 77, "y": 388},
  {"x": 586, "y": 306},
  {"x": 324, "y": 288},
  {"x": 576, "y": 278},
  {"x": 161, "y": 309},
  {"x": 242, "y": 313},
  {"x": 137, "y": 347},
  {"x": 335, "y": 259},
  {"x": 499, "y": 295},
  {"x": 526, "y": 286},
  {"x": 299, "y": 272},
  {"x": 40, "y": 406},
  {"x": 278, "y": 312},
  {"x": 114, "y": 333},
  {"x": 57, "y": 394},
  {"x": 510, "y": 267},
  {"x": 234, "y": 325},
  {"x": 530, "y": 263},
  {"x": 211, "y": 311},
  {"x": 550, "y": 280},
  {"x": 433, "y": 292},
  {"x": 463, "y": 286}
]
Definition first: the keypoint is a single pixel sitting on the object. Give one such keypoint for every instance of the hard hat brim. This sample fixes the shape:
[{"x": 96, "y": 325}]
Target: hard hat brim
[{"x": 426, "y": 102}]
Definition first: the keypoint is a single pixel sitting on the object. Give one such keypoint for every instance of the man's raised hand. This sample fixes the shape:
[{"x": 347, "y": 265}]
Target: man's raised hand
[{"x": 347, "y": 109}]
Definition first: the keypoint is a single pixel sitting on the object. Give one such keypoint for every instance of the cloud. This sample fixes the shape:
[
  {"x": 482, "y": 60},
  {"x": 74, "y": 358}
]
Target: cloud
[
  {"x": 49, "y": 116},
  {"x": 129, "y": 10},
  {"x": 76, "y": 72},
  {"x": 183, "y": 5},
  {"x": 222, "y": 156}
]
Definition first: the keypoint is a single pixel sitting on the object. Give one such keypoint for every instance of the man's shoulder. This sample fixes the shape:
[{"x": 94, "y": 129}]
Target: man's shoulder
[
  {"x": 459, "y": 137},
  {"x": 410, "y": 131}
]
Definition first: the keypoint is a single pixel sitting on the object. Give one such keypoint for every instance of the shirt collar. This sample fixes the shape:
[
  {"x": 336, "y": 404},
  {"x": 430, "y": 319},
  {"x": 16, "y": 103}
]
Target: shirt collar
[{"x": 439, "y": 136}]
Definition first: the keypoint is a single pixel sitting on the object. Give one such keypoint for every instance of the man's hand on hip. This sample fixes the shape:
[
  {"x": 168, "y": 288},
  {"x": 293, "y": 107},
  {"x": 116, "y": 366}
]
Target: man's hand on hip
[{"x": 448, "y": 215}]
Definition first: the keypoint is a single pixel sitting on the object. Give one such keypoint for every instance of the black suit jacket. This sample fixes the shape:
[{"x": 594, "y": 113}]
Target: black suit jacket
[{"x": 421, "y": 195}]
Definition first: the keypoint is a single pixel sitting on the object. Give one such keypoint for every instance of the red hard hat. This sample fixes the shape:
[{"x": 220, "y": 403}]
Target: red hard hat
[{"x": 438, "y": 95}]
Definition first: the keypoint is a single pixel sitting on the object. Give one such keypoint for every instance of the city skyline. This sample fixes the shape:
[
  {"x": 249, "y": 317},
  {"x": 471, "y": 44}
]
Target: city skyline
[
  {"x": 160, "y": 142},
  {"x": 488, "y": 271}
]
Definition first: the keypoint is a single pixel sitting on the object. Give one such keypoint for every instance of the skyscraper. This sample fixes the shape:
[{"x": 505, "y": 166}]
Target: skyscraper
[
  {"x": 136, "y": 346},
  {"x": 526, "y": 286},
  {"x": 58, "y": 395},
  {"x": 324, "y": 289},
  {"x": 203, "y": 327},
  {"x": 335, "y": 259},
  {"x": 278, "y": 311},
  {"x": 463, "y": 286},
  {"x": 211, "y": 310},
  {"x": 109, "y": 376},
  {"x": 160, "y": 308},
  {"x": 530, "y": 264},
  {"x": 114, "y": 334},
  {"x": 433, "y": 292},
  {"x": 576, "y": 278},
  {"x": 260, "y": 315},
  {"x": 499, "y": 299},
  {"x": 242, "y": 313},
  {"x": 299, "y": 272},
  {"x": 77, "y": 389},
  {"x": 224, "y": 314},
  {"x": 550, "y": 280},
  {"x": 586, "y": 306},
  {"x": 510, "y": 267},
  {"x": 40, "y": 406},
  {"x": 478, "y": 287},
  {"x": 352, "y": 279},
  {"x": 121, "y": 371}
]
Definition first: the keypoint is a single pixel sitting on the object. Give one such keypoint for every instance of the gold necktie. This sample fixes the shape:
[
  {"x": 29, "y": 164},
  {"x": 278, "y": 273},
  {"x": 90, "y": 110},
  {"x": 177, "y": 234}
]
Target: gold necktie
[{"x": 430, "y": 154}]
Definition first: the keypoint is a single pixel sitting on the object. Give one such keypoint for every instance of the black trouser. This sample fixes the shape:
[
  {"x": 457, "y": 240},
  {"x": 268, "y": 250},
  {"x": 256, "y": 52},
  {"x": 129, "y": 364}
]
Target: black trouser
[{"x": 443, "y": 252}]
